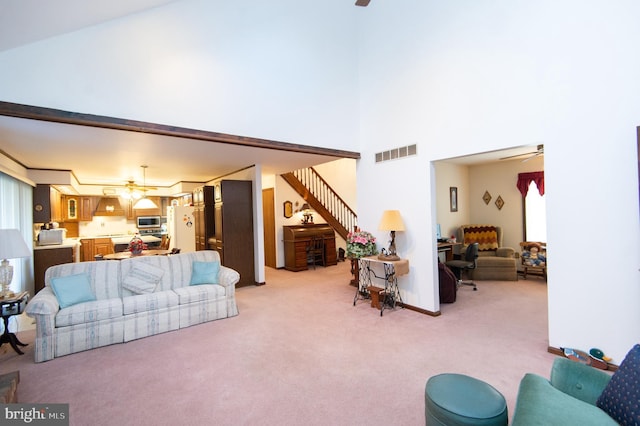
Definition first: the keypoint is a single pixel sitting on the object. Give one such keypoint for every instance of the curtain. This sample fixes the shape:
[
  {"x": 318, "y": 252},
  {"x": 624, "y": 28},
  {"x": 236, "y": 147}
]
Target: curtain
[
  {"x": 16, "y": 200},
  {"x": 525, "y": 179}
]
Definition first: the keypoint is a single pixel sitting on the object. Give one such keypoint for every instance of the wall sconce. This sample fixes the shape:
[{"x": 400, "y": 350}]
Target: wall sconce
[{"x": 391, "y": 221}]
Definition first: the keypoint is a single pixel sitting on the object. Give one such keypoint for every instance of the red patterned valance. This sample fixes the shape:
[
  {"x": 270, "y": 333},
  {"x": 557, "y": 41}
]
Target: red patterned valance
[{"x": 525, "y": 179}]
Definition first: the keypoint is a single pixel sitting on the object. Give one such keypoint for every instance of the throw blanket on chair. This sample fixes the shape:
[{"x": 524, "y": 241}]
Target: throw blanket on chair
[{"x": 485, "y": 235}]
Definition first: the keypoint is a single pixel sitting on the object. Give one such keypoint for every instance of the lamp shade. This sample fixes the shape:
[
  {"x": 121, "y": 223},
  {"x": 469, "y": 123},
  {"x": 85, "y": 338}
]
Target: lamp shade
[
  {"x": 12, "y": 244},
  {"x": 391, "y": 221},
  {"x": 305, "y": 206},
  {"x": 145, "y": 203}
]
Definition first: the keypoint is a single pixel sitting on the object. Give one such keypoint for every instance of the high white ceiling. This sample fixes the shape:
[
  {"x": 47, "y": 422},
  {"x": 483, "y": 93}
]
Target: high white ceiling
[{"x": 27, "y": 21}]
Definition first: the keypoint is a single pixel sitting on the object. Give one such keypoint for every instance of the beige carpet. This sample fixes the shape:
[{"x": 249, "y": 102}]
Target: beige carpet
[{"x": 299, "y": 353}]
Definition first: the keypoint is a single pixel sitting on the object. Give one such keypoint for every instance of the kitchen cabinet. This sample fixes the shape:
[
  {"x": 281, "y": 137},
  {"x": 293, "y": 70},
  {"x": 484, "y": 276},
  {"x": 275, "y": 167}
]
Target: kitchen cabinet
[
  {"x": 90, "y": 247},
  {"x": 85, "y": 208},
  {"x": 47, "y": 204},
  {"x": 233, "y": 228},
  {"x": 70, "y": 208},
  {"x": 298, "y": 237},
  {"x": 77, "y": 208},
  {"x": 203, "y": 215},
  {"x": 47, "y": 257}
]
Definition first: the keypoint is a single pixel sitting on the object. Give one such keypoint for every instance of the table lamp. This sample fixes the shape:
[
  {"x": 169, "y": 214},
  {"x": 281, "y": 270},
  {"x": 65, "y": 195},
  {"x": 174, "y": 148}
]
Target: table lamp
[
  {"x": 391, "y": 221},
  {"x": 12, "y": 246},
  {"x": 306, "y": 213}
]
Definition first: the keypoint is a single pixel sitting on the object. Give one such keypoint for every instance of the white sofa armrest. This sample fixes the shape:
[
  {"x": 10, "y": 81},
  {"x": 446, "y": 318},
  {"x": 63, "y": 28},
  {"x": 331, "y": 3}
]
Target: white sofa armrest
[
  {"x": 228, "y": 278},
  {"x": 43, "y": 303},
  {"x": 44, "y": 307}
]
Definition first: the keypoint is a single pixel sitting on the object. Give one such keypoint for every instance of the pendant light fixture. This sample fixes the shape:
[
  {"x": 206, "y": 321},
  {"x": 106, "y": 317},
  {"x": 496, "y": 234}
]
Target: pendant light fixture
[{"x": 144, "y": 202}]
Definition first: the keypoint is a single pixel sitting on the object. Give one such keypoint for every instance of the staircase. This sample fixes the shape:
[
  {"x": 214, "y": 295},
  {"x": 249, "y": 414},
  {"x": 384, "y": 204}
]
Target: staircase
[{"x": 321, "y": 197}]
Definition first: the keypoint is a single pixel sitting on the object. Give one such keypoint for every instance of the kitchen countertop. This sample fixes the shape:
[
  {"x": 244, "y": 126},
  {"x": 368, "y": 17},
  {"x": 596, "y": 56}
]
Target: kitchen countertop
[
  {"x": 115, "y": 239},
  {"x": 125, "y": 239},
  {"x": 67, "y": 242}
]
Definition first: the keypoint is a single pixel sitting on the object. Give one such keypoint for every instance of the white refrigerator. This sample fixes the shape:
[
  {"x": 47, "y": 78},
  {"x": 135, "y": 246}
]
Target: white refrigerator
[{"x": 181, "y": 228}]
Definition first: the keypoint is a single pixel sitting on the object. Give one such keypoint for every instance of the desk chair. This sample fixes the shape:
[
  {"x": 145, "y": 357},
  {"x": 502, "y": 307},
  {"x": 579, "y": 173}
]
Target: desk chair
[
  {"x": 315, "y": 251},
  {"x": 470, "y": 262},
  {"x": 164, "y": 244}
]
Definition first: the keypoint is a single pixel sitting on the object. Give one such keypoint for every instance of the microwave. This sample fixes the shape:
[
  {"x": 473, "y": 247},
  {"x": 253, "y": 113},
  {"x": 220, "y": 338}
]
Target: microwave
[{"x": 148, "y": 222}]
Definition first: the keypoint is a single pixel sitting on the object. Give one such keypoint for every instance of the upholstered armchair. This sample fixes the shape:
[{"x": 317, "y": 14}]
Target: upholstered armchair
[{"x": 495, "y": 262}]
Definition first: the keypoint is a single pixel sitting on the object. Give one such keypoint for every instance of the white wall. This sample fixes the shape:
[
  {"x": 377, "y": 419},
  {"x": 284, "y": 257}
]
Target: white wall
[
  {"x": 280, "y": 70},
  {"x": 463, "y": 77}
]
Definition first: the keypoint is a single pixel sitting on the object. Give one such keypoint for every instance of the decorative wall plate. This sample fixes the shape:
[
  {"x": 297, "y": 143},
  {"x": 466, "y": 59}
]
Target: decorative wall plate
[
  {"x": 499, "y": 202},
  {"x": 486, "y": 197},
  {"x": 288, "y": 209}
]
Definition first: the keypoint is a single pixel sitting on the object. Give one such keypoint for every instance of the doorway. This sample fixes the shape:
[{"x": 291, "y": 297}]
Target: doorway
[{"x": 269, "y": 227}]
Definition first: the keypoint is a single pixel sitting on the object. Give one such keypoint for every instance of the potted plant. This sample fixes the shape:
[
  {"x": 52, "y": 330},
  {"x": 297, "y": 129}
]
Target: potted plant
[{"x": 361, "y": 244}]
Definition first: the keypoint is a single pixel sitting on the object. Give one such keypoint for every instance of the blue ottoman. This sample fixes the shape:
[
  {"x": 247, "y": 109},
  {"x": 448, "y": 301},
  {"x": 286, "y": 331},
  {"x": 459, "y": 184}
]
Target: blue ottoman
[{"x": 456, "y": 399}]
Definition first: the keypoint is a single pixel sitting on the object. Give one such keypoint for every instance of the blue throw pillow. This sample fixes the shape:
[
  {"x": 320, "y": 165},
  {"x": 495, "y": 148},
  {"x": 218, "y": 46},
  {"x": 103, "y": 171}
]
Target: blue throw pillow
[
  {"x": 72, "y": 289},
  {"x": 621, "y": 398},
  {"x": 205, "y": 273}
]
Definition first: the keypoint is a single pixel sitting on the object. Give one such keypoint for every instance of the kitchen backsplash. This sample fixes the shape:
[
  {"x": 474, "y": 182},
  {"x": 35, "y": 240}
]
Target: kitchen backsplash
[{"x": 106, "y": 225}]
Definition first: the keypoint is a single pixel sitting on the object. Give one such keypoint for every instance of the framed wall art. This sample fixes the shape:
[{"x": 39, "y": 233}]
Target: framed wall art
[{"x": 453, "y": 198}]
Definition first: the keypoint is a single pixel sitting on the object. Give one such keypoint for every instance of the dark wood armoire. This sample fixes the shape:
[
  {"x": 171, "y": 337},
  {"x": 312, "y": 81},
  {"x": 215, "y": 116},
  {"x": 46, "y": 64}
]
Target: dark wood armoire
[{"x": 233, "y": 227}]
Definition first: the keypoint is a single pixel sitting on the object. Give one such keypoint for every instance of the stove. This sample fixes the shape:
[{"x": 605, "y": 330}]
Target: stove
[{"x": 156, "y": 232}]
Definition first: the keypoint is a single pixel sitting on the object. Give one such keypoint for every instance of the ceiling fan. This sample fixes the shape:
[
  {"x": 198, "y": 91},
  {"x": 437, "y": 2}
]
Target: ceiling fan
[
  {"x": 131, "y": 190},
  {"x": 362, "y": 3},
  {"x": 529, "y": 155}
]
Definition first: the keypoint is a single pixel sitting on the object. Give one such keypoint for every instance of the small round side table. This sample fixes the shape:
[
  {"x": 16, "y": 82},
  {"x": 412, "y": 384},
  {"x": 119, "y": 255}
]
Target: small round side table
[{"x": 9, "y": 307}]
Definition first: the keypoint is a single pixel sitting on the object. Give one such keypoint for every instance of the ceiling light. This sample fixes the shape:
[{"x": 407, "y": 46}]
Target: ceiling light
[{"x": 144, "y": 202}]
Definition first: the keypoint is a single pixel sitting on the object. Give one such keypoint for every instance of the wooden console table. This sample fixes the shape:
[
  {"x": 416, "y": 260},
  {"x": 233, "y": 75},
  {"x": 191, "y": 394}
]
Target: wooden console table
[{"x": 392, "y": 270}]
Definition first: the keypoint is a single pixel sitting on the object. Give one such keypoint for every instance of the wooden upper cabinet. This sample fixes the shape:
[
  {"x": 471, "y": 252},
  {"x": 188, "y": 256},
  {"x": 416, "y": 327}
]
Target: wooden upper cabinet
[
  {"x": 47, "y": 204},
  {"x": 85, "y": 208},
  {"x": 57, "y": 214},
  {"x": 70, "y": 208}
]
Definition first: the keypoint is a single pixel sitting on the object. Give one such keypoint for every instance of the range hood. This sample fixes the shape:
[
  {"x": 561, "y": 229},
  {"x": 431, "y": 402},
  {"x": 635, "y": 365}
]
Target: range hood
[{"x": 109, "y": 206}]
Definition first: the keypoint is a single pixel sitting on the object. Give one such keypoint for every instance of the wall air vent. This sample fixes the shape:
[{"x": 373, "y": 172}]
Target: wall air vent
[{"x": 395, "y": 153}]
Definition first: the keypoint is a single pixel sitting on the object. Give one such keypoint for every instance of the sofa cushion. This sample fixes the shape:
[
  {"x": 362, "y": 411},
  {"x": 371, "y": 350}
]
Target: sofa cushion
[
  {"x": 142, "y": 278},
  {"x": 485, "y": 235},
  {"x": 621, "y": 398},
  {"x": 204, "y": 273},
  {"x": 104, "y": 276},
  {"x": 149, "y": 302},
  {"x": 72, "y": 289},
  {"x": 200, "y": 293},
  {"x": 82, "y": 313}
]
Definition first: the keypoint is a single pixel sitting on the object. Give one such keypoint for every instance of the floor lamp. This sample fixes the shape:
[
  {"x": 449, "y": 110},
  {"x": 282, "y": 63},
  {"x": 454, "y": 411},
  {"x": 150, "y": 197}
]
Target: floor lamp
[
  {"x": 12, "y": 246},
  {"x": 391, "y": 221}
]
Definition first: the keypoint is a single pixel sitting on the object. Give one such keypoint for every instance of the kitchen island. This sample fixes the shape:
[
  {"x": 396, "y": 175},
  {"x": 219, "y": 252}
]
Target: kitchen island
[{"x": 121, "y": 243}]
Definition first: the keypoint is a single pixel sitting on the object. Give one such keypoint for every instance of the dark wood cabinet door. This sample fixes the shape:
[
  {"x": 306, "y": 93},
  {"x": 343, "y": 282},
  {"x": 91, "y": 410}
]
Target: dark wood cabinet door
[{"x": 45, "y": 258}]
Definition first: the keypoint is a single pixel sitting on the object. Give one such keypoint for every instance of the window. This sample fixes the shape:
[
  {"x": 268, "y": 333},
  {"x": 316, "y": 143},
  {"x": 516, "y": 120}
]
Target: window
[
  {"x": 535, "y": 215},
  {"x": 16, "y": 199}
]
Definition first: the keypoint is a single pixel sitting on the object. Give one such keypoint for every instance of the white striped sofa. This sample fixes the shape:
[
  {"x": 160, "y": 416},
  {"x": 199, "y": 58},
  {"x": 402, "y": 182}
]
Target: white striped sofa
[{"x": 119, "y": 315}]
